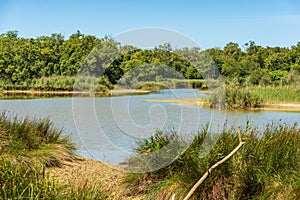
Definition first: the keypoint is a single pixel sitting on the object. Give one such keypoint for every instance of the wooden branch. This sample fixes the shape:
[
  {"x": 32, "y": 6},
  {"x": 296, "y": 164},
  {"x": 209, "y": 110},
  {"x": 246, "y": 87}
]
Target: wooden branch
[
  {"x": 212, "y": 168},
  {"x": 240, "y": 135}
]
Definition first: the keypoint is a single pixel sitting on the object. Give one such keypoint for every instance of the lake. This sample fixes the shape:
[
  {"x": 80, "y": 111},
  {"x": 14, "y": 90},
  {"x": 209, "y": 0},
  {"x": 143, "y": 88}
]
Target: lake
[{"x": 107, "y": 128}]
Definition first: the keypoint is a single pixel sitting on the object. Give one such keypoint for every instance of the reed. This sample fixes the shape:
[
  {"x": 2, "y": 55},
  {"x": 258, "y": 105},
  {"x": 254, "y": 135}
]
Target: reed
[{"x": 235, "y": 98}]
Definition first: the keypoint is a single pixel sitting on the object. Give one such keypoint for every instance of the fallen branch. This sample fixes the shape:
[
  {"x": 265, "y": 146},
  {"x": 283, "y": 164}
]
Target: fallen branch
[{"x": 212, "y": 168}]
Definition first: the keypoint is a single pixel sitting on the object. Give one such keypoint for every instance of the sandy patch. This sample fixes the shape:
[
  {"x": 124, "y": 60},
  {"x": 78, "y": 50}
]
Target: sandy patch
[{"x": 184, "y": 101}]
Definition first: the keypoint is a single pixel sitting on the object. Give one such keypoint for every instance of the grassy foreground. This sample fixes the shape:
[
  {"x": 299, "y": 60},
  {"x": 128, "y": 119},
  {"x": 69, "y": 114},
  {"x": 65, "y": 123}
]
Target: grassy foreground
[
  {"x": 266, "y": 167},
  {"x": 36, "y": 162}
]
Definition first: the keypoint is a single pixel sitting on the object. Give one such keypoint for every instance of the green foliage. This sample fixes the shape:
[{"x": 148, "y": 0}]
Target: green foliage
[
  {"x": 266, "y": 167},
  {"x": 257, "y": 65},
  {"x": 51, "y": 62},
  {"x": 56, "y": 60},
  {"x": 54, "y": 83}
]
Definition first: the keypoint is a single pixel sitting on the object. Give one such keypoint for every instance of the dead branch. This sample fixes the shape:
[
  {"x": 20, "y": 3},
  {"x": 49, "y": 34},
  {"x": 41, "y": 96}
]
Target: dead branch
[{"x": 212, "y": 168}]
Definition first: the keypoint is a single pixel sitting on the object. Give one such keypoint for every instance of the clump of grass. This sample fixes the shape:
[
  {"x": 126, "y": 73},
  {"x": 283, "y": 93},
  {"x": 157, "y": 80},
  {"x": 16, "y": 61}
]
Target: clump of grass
[
  {"x": 235, "y": 98},
  {"x": 149, "y": 158},
  {"x": 253, "y": 97},
  {"x": 27, "y": 148},
  {"x": 267, "y": 166},
  {"x": 38, "y": 139}
]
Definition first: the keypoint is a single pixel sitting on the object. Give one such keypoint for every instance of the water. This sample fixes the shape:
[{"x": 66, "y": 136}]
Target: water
[{"x": 107, "y": 128}]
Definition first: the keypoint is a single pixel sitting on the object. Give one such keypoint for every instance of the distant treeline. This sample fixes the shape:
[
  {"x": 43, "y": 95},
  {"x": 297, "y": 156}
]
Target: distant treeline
[{"x": 24, "y": 61}]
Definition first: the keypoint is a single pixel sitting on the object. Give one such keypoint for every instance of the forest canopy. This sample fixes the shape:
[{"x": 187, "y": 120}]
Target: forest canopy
[{"x": 30, "y": 61}]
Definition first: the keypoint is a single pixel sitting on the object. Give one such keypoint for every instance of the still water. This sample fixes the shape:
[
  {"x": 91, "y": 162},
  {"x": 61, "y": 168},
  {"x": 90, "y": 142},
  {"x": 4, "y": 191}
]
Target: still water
[{"x": 107, "y": 128}]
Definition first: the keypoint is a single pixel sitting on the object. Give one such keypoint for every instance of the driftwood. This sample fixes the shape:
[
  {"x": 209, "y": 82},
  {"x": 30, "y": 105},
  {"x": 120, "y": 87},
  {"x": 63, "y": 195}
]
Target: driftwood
[{"x": 212, "y": 168}]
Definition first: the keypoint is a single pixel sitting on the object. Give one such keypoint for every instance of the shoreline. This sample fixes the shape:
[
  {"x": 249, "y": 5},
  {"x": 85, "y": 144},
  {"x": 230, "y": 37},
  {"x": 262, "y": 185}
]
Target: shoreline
[
  {"x": 282, "y": 106},
  {"x": 185, "y": 101},
  {"x": 286, "y": 106},
  {"x": 41, "y": 92}
]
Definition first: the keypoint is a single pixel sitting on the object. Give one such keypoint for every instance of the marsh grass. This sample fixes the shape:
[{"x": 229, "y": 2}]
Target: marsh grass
[
  {"x": 266, "y": 167},
  {"x": 27, "y": 148},
  {"x": 27, "y": 139},
  {"x": 254, "y": 97},
  {"x": 60, "y": 83},
  {"x": 235, "y": 98},
  {"x": 289, "y": 94}
]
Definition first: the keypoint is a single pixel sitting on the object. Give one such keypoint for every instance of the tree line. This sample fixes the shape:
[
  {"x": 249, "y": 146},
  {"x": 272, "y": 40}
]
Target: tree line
[{"x": 27, "y": 61}]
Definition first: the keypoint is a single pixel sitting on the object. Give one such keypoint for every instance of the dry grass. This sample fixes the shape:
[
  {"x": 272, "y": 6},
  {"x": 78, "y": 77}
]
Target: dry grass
[{"x": 85, "y": 173}]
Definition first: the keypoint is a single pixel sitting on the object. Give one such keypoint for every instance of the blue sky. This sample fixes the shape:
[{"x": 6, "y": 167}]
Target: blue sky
[{"x": 210, "y": 23}]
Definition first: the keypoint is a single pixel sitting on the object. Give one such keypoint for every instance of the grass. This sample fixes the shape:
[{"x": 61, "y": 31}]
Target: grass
[
  {"x": 236, "y": 98},
  {"x": 27, "y": 148},
  {"x": 267, "y": 167},
  {"x": 60, "y": 84},
  {"x": 290, "y": 94},
  {"x": 38, "y": 138},
  {"x": 254, "y": 97},
  {"x": 18, "y": 181}
]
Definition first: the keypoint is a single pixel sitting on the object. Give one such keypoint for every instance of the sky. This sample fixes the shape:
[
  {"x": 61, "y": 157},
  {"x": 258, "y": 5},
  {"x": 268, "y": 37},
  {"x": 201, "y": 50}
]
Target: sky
[{"x": 211, "y": 23}]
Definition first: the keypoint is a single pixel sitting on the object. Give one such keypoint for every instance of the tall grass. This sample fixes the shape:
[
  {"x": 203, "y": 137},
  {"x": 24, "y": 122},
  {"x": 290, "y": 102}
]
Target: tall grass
[
  {"x": 267, "y": 167},
  {"x": 235, "y": 98},
  {"x": 254, "y": 97},
  {"x": 290, "y": 94},
  {"x": 18, "y": 181},
  {"x": 27, "y": 148},
  {"x": 60, "y": 83},
  {"x": 39, "y": 138}
]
